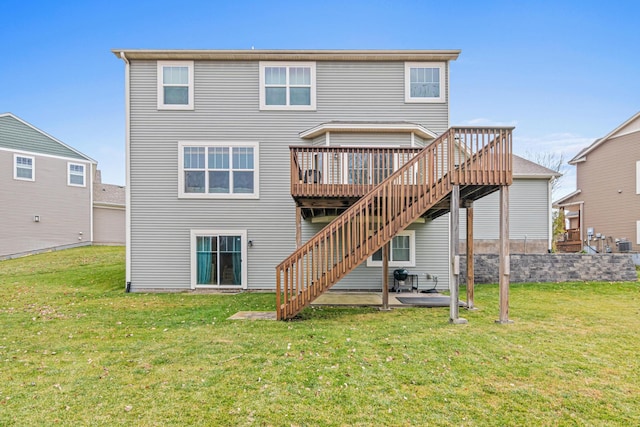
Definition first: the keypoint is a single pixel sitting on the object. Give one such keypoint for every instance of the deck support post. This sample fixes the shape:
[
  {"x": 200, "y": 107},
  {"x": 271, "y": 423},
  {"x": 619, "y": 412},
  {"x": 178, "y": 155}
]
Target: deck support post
[
  {"x": 385, "y": 276},
  {"x": 454, "y": 250},
  {"x": 505, "y": 259},
  {"x": 470, "y": 259},
  {"x": 298, "y": 227}
]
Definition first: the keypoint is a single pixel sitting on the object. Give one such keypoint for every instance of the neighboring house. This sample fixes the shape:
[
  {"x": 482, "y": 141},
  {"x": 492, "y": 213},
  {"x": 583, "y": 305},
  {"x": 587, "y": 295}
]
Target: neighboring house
[
  {"x": 108, "y": 213},
  {"x": 237, "y": 160},
  {"x": 530, "y": 214},
  {"x": 604, "y": 211},
  {"x": 46, "y": 191}
]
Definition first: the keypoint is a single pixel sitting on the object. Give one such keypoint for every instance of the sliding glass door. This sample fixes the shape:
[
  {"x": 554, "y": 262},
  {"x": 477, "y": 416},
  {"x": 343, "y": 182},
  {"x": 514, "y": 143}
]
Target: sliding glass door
[{"x": 218, "y": 259}]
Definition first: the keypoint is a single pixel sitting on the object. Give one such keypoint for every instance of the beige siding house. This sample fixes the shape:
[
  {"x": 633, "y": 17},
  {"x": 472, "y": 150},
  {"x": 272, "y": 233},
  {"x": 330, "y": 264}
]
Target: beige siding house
[
  {"x": 47, "y": 193},
  {"x": 108, "y": 213},
  {"x": 605, "y": 208}
]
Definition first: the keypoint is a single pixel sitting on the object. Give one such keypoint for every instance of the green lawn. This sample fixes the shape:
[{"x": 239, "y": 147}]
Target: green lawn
[{"x": 76, "y": 350}]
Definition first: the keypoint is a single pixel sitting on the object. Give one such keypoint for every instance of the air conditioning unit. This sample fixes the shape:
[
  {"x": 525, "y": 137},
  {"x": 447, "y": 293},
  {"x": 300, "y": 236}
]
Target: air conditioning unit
[{"x": 624, "y": 246}]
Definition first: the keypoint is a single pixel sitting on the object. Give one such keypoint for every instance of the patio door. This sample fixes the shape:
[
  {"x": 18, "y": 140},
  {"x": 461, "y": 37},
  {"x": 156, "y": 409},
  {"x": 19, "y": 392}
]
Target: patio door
[
  {"x": 368, "y": 168},
  {"x": 218, "y": 259}
]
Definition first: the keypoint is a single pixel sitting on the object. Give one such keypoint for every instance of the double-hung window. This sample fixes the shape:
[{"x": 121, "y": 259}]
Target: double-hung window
[
  {"x": 24, "y": 167},
  {"x": 287, "y": 86},
  {"x": 175, "y": 85},
  {"x": 401, "y": 254},
  {"x": 76, "y": 175},
  {"x": 218, "y": 170},
  {"x": 424, "y": 82}
]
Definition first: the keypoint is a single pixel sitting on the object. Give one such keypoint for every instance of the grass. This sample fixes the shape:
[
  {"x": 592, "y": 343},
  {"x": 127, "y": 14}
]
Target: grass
[{"x": 76, "y": 350}]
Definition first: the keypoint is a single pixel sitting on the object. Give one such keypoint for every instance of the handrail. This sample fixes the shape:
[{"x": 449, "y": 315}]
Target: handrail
[{"x": 460, "y": 156}]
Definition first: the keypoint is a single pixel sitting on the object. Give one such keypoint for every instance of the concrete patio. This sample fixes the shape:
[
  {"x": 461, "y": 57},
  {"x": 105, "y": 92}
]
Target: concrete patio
[{"x": 362, "y": 299}]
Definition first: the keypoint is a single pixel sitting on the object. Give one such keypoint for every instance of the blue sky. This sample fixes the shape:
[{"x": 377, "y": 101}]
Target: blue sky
[{"x": 563, "y": 72}]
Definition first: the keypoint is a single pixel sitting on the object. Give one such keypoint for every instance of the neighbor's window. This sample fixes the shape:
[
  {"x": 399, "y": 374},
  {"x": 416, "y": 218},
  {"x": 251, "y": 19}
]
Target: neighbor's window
[
  {"x": 175, "y": 85},
  {"x": 287, "y": 86},
  {"x": 24, "y": 167},
  {"x": 76, "y": 175},
  {"x": 424, "y": 82},
  {"x": 219, "y": 170},
  {"x": 401, "y": 254}
]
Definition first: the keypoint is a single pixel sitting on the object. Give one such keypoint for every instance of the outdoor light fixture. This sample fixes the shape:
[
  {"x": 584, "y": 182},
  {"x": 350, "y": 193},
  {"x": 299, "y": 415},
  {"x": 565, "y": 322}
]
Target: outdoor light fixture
[{"x": 250, "y": 243}]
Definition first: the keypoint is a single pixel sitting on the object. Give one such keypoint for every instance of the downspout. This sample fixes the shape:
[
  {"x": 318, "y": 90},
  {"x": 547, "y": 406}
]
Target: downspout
[
  {"x": 127, "y": 142},
  {"x": 90, "y": 176}
]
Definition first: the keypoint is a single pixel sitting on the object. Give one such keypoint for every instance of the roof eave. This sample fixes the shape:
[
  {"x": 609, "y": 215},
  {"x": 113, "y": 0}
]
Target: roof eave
[
  {"x": 369, "y": 127},
  {"x": 289, "y": 55}
]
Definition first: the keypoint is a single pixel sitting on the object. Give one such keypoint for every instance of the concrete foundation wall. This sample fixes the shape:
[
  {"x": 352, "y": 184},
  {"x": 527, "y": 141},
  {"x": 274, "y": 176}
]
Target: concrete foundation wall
[
  {"x": 492, "y": 246},
  {"x": 554, "y": 268}
]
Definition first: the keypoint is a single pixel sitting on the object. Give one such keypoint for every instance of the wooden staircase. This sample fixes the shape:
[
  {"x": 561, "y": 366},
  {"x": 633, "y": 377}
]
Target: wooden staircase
[{"x": 476, "y": 159}]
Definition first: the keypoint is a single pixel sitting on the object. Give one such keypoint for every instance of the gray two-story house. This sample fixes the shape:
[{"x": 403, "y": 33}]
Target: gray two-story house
[{"x": 299, "y": 170}]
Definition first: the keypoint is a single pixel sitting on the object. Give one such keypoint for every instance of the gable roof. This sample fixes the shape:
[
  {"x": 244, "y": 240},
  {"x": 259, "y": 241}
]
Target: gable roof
[
  {"x": 631, "y": 125},
  {"x": 289, "y": 55},
  {"x": 108, "y": 194},
  {"x": 523, "y": 168},
  {"x": 16, "y": 134}
]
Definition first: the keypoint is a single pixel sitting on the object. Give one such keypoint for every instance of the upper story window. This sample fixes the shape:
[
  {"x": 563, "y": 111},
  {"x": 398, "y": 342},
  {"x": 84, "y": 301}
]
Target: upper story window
[
  {"x": 76, "y": 175},
  {"x": 218, "y": 170},
  {"x": 401, "y": 254},
  {"x": 287, "y": 86},
  {"x": 24, "y": 167},
  {"x": 175, "y": 85},
  {"x": 424, "y": 82}
]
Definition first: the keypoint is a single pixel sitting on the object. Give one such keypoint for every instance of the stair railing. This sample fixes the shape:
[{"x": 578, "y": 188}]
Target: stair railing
[{"x": 481, "y": 155}]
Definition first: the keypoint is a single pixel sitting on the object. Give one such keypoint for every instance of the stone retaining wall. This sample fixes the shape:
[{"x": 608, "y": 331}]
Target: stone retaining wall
[{"x": 554, "y": 268}]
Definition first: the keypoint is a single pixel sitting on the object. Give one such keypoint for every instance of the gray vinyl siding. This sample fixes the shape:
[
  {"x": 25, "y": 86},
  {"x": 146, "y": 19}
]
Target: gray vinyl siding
[
  {"x": 528, "y": 212},
  {"x": 371, "y": 139},
  {"x": 432, "y": 257},
  {"x": 227, "y": 109},
  {"x": 419, "y": 142},
  {"x": 320, "y": 140},
  {"x": 65, "y": 211},
  {"x": 15, "y": 135}
]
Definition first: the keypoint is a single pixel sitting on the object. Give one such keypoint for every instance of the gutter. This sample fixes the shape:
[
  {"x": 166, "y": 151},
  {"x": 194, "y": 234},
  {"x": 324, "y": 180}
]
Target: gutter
[{"x": 127, "y": 142}]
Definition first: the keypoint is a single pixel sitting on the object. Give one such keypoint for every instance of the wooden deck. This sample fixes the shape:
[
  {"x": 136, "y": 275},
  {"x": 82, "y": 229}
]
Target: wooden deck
[
  {"x": 379, "y": 192},
  {"x": 571, "y": 241}
]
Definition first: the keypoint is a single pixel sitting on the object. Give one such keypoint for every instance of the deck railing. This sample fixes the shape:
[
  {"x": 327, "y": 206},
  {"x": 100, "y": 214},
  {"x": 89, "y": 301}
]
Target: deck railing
[
  {"x": 327, "y": 171},
  {"x": 462, "y": 156}
]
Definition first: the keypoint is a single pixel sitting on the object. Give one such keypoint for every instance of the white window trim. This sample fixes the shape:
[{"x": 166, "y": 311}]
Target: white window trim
[
  {"x": 84, "y": 174},
  {"x": 256, "y": 170},
  {"x": 412, "y": 253},
  {"x": 638, "y": 177},
  {"x": 15, "y": 167},
  {"x": 407, "y": 81},
  {"x": 161, "y": 104},
  {"x": 263, "y": 101},
  {"x": 218, "y": 232}
]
